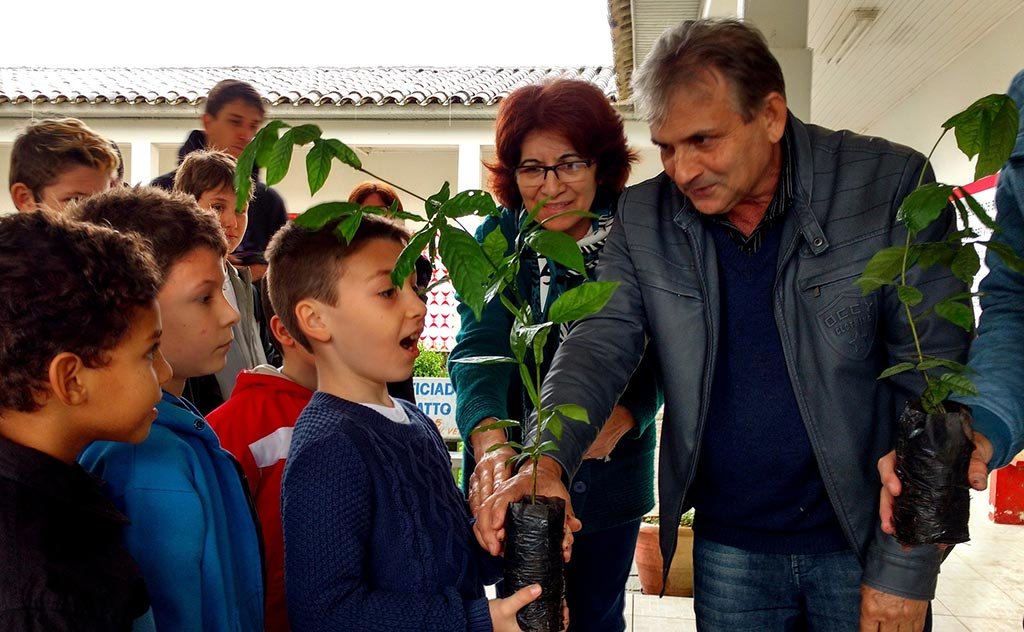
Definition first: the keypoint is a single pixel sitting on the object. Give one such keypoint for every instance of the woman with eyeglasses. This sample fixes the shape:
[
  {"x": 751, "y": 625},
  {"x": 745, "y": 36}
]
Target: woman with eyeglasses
[{"x": 561, "y": 144}]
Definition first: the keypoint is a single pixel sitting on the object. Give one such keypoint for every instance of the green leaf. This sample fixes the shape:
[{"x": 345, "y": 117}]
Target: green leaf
[
  {"x": 527, "y": 380},
  {"x": 501, "y": 424},
  {"x": 909, "y": 296},
  {"x": 554, "y": 425},
  {"x": 966, "y": 264},
  {"x": 281, "y": 153},
  {"x": 979, "y": 211},
  {"x": 987, "y": 129},
  {"x": 243, "y": 176},
  {"x": 322, "y": 214},
  {"x": 1008, "y": 255},
  {"x": 537, "y": 208},
  {"x": 883, "y": 267},
  {"x": 265, "y": 140},
  {"x": 957, "y": 313},
  {"x": 303, "y": 134},
  {"x": 466, "y": 264},
  {"x": 539, "y": 340},
  {"x": 318, "y": 165},
  {"x": 547, "y": 446},
  {"x": 574, "y": 412},
  {"x": 344, "y": 153},
  {"x": 495, "y": 245},
  {"x": 584, "y": 300},
  {"x": 407, "y": 260},
  {"x": 934, "y": 394},
  {"x": 436, "y": 201},
  {"x": 558, "y": 247},
  {"x": 485, "y": 360},
  {"x": 895, "y": 369},
  {"x": 471, "y": 202},
  {"x": 959, "y": 384},
  {"x": 934, "y": 363},
  {"x": 500, "y": 278},
  {"x": 280, "y": 160},
  {"x": 529, "y": 336},
  {"x": 924, "y": 205},
  {"x": 935, "y": 253},
  {"x": 347, "y": 227},
  {"x": 961, "y": 209}
]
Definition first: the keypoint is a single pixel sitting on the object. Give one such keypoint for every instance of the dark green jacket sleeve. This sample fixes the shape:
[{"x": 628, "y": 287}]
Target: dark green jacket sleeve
[{"x": 482, "y": 390}]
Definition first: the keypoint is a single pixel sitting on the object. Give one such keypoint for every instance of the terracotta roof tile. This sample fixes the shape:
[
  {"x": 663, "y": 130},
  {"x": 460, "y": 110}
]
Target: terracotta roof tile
[{"x": 286, "y": 86}]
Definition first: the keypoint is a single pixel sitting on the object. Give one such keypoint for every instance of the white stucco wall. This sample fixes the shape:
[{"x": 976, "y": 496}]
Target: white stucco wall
[
  {"x": 416, "y": 154},
  {"x": 983, "y": 69}
]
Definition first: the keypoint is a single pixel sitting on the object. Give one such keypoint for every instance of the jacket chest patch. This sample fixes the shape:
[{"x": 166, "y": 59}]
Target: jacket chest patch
[{"x": 848, "y": 323}]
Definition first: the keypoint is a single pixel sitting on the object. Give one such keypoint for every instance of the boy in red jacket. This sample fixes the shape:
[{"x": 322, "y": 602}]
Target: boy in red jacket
[{"x": 255, "y": 425}]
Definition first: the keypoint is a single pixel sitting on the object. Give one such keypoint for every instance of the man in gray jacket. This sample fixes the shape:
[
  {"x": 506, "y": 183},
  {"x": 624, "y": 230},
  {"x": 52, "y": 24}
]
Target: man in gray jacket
[{"x": 737, "y": 264}]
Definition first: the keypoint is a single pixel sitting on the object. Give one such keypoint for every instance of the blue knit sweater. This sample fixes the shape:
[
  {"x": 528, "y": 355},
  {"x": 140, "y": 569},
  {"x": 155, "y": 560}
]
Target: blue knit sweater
[
  {"x": 377, "y": 537},
  {"x": 758, "y": 487}
]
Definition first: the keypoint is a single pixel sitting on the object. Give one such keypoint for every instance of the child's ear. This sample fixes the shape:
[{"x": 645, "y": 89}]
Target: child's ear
[
  {"x": 66, "y": 379},
  {"x": 311, "y": 322},
  {"x": 278, "y": 330},
  {"x": 24, "y": 199}
]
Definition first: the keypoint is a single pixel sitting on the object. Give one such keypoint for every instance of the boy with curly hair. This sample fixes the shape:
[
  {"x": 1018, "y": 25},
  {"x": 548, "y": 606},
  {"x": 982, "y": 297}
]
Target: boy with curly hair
[{"x": 80, "y": 359}]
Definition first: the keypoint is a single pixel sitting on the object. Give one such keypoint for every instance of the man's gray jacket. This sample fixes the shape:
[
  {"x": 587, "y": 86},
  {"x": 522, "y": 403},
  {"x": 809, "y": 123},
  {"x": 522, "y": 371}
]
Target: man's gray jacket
[{"x": 847, "y": 189}]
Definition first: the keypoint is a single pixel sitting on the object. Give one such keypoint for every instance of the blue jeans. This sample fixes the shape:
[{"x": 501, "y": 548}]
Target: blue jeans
[
  {"x": 595, "y": 579},
  {"x": 741, "y": 591}
]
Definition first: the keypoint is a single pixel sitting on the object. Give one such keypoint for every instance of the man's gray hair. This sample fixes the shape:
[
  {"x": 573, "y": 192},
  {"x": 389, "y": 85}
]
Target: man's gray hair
[{"x": 687, "y": 51}]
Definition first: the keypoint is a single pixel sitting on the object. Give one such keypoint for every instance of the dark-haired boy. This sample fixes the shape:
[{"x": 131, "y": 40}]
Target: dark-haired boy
[
  {"x": 193, "y": 530},
  {"x": 80, "y": 360},
  {"x": 55, "y": 162},
  {"x": 255, "y": 425},
  {"x": 377, "y": 536},
  {"x": 233, "y": 113}
]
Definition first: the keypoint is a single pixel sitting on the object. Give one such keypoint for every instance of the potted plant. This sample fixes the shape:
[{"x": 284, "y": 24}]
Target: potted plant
[
  {"x": 650, "y": 563},
  {"x": 935, "y": 442},
  {"x": 479, "y": 273}
]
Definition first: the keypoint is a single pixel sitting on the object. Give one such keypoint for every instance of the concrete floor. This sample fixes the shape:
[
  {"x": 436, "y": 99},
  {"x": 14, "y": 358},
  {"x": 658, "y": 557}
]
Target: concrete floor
[{"x": 981, "y": 588}]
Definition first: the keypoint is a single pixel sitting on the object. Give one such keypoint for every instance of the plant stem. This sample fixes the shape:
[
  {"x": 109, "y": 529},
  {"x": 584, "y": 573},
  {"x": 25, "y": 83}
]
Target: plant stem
[
  {"x": 386, "y": 181},
  {"x": 903, "y": 272}
]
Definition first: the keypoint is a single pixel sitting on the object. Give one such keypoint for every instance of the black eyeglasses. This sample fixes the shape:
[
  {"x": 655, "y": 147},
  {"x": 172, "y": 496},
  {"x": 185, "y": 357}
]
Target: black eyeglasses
[{"x": 566, "y": 172}]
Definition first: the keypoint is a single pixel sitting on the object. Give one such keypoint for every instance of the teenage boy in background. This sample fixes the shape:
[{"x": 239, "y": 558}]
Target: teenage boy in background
[
  {"x": 234, "y": 112},
  {"x": 55, "y": 162}
]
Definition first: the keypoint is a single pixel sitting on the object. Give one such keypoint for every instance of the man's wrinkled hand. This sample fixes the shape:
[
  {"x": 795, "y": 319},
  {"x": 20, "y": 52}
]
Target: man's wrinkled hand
[{"x": 882, "y": 612}]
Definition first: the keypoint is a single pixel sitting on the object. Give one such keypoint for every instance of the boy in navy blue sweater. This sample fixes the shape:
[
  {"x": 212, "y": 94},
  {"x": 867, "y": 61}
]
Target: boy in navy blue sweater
[{"x": 377, "y": 537}]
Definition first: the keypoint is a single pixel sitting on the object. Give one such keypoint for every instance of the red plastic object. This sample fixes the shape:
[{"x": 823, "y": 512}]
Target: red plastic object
[{"x": 1006, "y": 493}]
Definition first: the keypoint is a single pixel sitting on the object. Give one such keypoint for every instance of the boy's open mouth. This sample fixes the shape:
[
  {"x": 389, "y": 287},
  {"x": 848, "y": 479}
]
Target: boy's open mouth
[{"x": 409, "y": 342}]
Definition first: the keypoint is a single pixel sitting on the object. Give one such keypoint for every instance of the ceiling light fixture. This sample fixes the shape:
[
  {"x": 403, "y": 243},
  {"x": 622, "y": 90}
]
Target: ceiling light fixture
[{"x": 850, "y": 31}]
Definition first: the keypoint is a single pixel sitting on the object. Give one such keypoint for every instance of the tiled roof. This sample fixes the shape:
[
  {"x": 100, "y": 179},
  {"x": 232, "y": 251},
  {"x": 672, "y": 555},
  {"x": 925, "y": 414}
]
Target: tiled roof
[{"x": 285, "y": 86}]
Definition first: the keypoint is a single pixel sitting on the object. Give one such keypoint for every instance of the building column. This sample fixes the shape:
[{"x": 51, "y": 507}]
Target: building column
[
  {"x": 469, "y": 167},
  {"x": 143, "y": 159},
  {"x": 784, "y": 24}
]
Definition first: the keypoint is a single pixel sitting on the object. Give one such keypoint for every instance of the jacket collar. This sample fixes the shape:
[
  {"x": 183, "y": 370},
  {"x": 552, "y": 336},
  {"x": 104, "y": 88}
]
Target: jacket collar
[
  {"x": 179, "y": 415},
  {"x": 55, "y": 480}
]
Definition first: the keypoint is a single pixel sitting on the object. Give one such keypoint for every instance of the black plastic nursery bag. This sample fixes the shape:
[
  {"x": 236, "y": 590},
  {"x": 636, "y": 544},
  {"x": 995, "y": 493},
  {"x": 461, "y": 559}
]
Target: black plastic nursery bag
[{"x": 533, "y": 555}]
